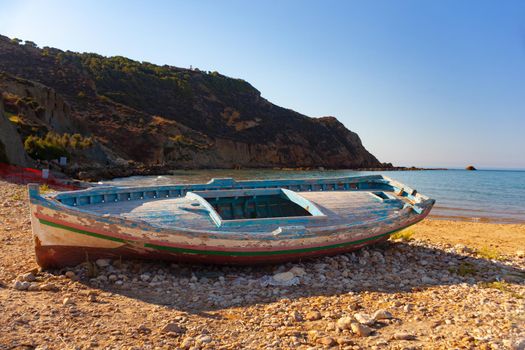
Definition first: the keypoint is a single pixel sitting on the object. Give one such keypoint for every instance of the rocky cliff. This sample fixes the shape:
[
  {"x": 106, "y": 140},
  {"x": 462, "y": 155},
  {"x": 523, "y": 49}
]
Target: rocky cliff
[{"x": 143, "y": 115}]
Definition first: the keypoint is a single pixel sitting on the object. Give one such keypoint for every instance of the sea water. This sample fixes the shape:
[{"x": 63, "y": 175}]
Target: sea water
[{"x": 482, "y": 195}]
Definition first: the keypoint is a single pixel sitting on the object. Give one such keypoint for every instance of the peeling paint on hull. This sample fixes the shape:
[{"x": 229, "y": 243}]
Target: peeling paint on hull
[{"x": 59, "y": 256}]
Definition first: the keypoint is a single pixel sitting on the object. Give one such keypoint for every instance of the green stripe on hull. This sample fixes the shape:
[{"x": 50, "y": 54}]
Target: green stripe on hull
[
  {"x": 218, "y": 252},
  {"x": 76, "y": 230}
]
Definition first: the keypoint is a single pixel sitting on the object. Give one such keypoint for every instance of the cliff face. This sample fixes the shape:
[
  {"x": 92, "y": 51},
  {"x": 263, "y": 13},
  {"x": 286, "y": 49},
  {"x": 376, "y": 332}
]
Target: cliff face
[
  {"x": 11, "y": 148},
  {"x": 163, "y": 115}
]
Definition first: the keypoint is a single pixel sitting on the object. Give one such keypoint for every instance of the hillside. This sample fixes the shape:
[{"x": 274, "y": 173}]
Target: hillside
[{"x": 137, "y": 116}]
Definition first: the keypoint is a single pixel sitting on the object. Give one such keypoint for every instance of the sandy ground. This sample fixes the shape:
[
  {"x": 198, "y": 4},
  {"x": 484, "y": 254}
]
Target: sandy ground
[
  {"x": 502, "y": 238},
  {"x": 443, "y": 285}
]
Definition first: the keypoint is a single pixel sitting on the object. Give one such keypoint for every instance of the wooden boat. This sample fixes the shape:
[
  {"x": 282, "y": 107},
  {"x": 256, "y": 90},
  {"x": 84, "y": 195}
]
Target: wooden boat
[{"x": 222, "y": 221}]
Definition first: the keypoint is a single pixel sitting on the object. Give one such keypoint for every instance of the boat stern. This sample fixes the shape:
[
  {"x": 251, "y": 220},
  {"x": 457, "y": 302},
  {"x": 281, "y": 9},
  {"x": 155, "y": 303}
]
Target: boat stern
[{"x": 36, "y": 227}]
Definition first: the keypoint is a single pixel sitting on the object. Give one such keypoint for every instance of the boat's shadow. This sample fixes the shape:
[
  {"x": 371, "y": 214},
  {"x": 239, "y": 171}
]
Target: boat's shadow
[{"x": 390, "y": 267}]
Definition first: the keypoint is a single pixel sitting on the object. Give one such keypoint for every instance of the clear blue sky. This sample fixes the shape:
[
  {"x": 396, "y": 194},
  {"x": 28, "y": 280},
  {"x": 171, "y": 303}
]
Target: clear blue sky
[{"x": 425, "y": 83}]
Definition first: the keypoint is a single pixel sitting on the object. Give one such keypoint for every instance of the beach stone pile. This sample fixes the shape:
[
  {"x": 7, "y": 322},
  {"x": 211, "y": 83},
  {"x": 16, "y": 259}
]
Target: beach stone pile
[{"x": 395, "y": 295}]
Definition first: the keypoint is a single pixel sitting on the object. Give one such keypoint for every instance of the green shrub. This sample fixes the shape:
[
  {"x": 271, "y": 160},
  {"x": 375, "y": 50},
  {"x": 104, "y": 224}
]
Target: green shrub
[
  {"x": 464, "y": 269},
  {"x": 404, "y": 235},
  {"x": 54, "y": 146},
  {"x": 44, "y": 149},
  {"x": 489, "y": 253}
]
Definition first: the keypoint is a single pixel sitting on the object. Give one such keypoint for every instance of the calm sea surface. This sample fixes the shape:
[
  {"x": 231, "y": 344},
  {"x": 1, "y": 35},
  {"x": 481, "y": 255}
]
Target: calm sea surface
[{"x": 484, "y": 195}]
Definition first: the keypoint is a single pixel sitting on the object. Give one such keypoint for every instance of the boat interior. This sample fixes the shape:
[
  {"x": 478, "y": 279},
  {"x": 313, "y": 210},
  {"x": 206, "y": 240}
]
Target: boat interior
[{"x": 227, "y": 205}]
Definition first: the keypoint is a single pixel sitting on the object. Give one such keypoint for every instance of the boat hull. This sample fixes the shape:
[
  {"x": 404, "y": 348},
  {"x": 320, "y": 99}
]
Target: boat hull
[
  {"x": 67, "y": 236},
  {"x": 61, "y": 242},
  {"x": 56, "y": 256}
]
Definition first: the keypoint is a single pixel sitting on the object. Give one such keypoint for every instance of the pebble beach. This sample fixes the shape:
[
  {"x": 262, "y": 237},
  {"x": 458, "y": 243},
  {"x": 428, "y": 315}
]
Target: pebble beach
[{"x": 437, "y": 285}]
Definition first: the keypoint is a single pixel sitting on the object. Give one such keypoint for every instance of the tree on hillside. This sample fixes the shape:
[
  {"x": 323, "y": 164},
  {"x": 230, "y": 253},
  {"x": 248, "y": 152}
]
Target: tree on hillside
[{"x": 30, "y": 43}]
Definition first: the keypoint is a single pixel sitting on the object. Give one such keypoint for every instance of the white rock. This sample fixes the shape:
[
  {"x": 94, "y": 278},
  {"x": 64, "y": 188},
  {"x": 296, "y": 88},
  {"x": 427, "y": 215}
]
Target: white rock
[
  {"x": 67, "y": 301},
  {"x": 344, "y": 323},
  {"x": 283, "y": 277},
  {"x": 364, "y": 319},
  {"x": 408, "y": 307},
  {"x": 361, "y": 329},
  {"x": 103, "y": 262},
  {"x": 298, "y": 271},
  {"x": 382, "y": 314}
]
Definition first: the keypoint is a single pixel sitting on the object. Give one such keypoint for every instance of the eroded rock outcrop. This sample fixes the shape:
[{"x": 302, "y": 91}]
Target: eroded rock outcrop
[
  {"x": 163, "y": 116},
  {"x": 11, "y": 147}
]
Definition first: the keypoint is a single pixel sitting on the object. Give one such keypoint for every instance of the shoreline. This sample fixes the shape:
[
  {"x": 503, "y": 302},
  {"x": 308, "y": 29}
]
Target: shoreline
[{"x": 477, "y": 219}]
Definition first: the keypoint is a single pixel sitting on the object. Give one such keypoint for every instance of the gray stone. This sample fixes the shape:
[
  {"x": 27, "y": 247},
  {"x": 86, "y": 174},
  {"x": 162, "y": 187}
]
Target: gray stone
[
  {"x": 28, "y": 277},
  {"x": 21, "y": 285}
]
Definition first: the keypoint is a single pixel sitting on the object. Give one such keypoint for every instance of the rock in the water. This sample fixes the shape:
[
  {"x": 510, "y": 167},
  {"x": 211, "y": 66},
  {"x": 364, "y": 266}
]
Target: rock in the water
[
  {"x": 470, "y": 167},
  {"x": 381, "y": 314},
  {"x": 313, "y": 315},
  {"x": 404, "y": 336},
  {"x": 364, "y": 319},
  {"x": 344, "y": 323},
  {"x": 361, "y": 329}
]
